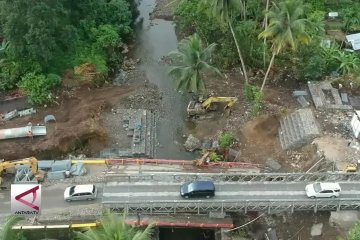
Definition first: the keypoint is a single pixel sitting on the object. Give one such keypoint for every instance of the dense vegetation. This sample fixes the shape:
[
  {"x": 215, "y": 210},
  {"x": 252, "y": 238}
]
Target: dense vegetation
[
  {"x": 41, "y": 39},
  {"x": 285, "y": 34}
]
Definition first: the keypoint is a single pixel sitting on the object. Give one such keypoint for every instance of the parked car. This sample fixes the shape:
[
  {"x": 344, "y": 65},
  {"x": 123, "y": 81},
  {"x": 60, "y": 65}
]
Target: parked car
[
  {"x": 80, "y": 192},
  {"x": 198, "y": 189},
  {"x": 319, "y": 190}
]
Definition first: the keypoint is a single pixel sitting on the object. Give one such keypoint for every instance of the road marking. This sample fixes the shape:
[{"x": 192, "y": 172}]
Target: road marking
[
  {"x": 219, "y": 193},
  {"x": 234, "y": 193}
]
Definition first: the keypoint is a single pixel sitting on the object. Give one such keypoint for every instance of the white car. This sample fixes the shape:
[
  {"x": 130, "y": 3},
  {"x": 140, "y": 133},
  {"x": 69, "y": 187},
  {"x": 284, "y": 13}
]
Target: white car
[
  {"x": 80, "y": 192},
  {"x": 322, "y": 190}
]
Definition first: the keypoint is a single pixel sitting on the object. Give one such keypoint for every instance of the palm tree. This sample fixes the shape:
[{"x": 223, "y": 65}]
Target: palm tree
[
  {"x": 226, "y": 10},
  {"x": 6, "y": 231},
  {"x": 192, "y": 60},
  {"x": 113, "y": 227},
  {"x": 286, "y": 29}
]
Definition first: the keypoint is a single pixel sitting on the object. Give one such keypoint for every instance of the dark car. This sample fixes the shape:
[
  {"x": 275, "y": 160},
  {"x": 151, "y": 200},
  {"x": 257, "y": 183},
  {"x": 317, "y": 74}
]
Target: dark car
[{"x": 198, "y": 189}]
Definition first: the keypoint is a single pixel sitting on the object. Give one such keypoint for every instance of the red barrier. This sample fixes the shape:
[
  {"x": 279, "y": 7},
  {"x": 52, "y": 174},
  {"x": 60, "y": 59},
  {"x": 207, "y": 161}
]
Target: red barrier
[
  {"x": 141, "y": 161},
  {"x": 181, "y": 224}
]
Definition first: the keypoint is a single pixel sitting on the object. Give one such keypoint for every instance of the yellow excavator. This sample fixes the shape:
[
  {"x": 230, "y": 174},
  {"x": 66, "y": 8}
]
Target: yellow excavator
[
  {"x": 196, "y": 108},
  {"x": 11, "y": 164}
]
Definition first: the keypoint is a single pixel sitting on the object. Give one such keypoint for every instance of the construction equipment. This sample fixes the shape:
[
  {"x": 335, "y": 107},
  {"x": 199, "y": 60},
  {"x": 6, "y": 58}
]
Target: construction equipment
[
  {"x": 11, "y": 164},
  {"x": 195, "y": 108},
  {"x": 351, "y": 167}
]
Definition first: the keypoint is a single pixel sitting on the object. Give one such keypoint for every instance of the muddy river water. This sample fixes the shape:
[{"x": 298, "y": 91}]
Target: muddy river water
[{"x": 155, "y": 39}]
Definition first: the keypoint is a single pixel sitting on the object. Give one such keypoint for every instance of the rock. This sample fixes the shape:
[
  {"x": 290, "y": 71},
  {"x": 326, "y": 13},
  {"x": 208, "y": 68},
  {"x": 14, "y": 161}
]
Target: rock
[
  {"x": 345, "y": 220},
  {"x": 192, "y": 143},
  {"x": 215, "y": 145},
  {"x": 206, "y": 144},
  {"x": 316, "y": 229},
  {"x": 273, "y": 164}
]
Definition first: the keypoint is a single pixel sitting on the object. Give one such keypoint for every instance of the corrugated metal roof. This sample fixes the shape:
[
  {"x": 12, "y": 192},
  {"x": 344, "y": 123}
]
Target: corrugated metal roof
[{"x": 354, "y": 40}]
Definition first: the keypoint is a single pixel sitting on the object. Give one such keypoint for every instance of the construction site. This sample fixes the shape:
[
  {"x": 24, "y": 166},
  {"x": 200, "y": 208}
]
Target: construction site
[{"x": 137, "y": 140}]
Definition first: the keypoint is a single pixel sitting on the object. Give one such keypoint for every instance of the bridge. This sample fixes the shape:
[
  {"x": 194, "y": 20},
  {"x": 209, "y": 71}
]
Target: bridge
[{"x": 156, "y": 197}]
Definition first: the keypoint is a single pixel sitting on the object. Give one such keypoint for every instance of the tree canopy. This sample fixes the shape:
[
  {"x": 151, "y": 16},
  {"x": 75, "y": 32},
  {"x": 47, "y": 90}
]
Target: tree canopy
[{"x": 48, "y": 37}]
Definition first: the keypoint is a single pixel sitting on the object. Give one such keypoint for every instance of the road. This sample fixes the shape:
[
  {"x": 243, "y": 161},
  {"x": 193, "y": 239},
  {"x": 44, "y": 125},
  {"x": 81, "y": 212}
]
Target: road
[
  {"x": 144, "y": 192},
  {"x": 52, "y": 197}
]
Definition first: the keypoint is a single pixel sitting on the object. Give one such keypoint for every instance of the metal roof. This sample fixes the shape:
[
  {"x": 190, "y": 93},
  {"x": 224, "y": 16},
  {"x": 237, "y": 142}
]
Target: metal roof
[
  {"x": 354, "y": 40},
  {"x": 83, "y": 188}
]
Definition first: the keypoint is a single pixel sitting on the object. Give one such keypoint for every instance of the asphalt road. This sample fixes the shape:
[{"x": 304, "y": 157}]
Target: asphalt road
[
  {"x": 52, "y": 197},
  {"x": 136, "y": 192}
]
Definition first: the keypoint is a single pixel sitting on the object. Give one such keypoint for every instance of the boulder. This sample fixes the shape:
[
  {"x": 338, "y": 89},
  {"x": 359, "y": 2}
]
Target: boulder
[
  {"x": 344, "y": 220},
  {"x": 273, "y": 164},
  {"x": 316, "y": 229},
  {"x": 192, "y": 143}
]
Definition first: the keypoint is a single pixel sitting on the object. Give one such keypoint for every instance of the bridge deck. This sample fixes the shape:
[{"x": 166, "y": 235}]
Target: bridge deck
[{"x": 230, "y": 196}]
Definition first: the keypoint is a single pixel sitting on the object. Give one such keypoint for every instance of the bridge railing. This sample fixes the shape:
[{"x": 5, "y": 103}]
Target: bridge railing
[
  {"x": 223, "y": 206},
  {"x": 237, "y": 177}
]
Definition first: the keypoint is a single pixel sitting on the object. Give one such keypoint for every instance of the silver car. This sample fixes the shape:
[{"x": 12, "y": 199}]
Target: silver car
[{"x": 80, "y": 192}]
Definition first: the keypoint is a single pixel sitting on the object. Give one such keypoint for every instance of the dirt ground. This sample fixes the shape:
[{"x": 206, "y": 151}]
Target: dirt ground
[
  {"x": 79, "y": 126},
  {"x": 83, "y": 124}
]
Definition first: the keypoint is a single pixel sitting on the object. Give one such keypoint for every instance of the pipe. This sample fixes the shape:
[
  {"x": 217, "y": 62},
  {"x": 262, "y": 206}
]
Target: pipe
[
  {"x": 134, "y": 222},
  {"x": 179, "y": 162},
  {"x": 27, "y": 131}
]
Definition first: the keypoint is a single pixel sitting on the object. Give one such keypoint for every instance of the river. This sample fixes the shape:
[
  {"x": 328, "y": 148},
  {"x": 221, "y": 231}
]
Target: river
[{"x": 155, "y": 39}]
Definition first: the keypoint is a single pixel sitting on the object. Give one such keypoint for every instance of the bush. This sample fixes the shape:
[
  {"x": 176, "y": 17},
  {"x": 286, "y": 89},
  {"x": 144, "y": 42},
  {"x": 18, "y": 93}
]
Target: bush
[
  {"x": 225, "y": 140},
  {"x": 254, "y": 96},
  {"x": 37, "y": 87},
  {"x": 354, "y": 233},
  {"x": 214, "y": 157}
]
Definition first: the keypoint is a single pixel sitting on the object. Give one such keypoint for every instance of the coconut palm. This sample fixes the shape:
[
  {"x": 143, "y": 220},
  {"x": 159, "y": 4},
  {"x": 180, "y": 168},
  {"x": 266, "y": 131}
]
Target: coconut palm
[
  {"x": 226, "y": 11},
  {"x": 192, "y": 59},
  {"x": 286, "y": 29},
  {"x": 6, "y": 231},
  {"x": 113, "y": 227}
]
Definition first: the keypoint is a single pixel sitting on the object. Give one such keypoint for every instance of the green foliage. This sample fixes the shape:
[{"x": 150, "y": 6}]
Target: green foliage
[
  {"x": 192, "y": 59},
  {"x": 312, "y": 63},
  {"x": 354, "y": 233},
  {"x": 214, "y": 157},
  {"x": 89, "y": 54},
  {"x": 315, "y": 5},
  {"x": 251, "y": 47},
  {"x": 37, "y": 87},
  {"x": 6, "y": 231},
  {"x": 253, "y": 95},
  {"x": 20, "y": 236},
  {"x": 287, "y": 27},
  {"x": 61, "y": 34},
  {"x": 11, "y": 72},
  {"x": 105, "y": 37},
  {"x": 348, "y": 62},
  {"x": 191, "y": 17},
  {"x": 226, "y": 139},
  {"x": 113, "y": 227},
  {"x": 316, "y": 26},
  {"x": 351, "y": 17}
]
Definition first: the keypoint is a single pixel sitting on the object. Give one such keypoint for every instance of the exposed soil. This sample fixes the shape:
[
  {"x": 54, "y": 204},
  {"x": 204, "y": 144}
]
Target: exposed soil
[{"x": 79, "y": 126}]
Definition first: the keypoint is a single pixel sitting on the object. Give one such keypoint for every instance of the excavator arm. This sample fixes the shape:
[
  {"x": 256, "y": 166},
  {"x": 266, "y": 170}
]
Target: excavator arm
[
  {"x": 10, "y": 164},
  {"x": 229, "y": 100}
]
